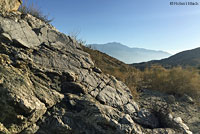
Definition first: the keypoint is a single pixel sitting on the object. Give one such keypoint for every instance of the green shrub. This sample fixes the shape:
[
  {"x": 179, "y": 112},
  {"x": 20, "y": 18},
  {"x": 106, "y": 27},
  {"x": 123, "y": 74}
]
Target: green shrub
[{"x": 32, "y": 9}]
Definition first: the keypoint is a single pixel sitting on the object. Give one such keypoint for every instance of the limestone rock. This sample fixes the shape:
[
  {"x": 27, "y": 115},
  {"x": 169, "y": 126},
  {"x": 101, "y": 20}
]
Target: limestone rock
[
  {"x": 187, "y": 99},
  {"x": 47, "y": 80},
  {"x": 3, "y": 129},
  {"x": 21, "y": 33},
  {"x": 181, "y": 125},
  {"x": 176, "y": 113},
  {"x": 147, "y": 119},
  {"x": 98, "y": 70},
  {"x": 10, "y": 5},
  {"x": 31, "y": 129}
]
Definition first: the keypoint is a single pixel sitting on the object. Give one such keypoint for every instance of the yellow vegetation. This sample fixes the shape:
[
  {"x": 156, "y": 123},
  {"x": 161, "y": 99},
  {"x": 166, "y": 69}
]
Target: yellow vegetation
[{"x": 177, "y": 81}]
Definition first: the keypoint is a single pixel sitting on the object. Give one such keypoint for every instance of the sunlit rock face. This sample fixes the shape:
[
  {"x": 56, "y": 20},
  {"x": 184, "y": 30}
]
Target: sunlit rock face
[{"x": 9, "y": 5}]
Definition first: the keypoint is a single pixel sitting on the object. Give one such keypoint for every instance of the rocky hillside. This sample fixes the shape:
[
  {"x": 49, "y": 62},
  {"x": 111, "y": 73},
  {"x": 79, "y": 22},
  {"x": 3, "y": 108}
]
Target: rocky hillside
[
  {"x": 109, "y": 65},
  {"x": 49, "y": 85},
  {"x": 182, "y": 106},
  {"x": 185, "y": 58}
]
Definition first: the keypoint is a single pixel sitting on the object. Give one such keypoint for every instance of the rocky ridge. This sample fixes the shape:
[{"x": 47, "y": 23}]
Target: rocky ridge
[{"x": 49, "y": 85}]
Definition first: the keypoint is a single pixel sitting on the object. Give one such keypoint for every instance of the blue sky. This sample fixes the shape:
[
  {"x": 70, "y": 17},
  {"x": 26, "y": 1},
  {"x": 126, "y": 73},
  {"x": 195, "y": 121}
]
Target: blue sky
[{"x": 151, "y": 24}]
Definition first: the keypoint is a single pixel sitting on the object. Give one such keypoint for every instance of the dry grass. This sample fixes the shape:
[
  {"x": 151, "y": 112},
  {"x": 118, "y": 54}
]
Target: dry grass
[
  {"x": 177, "y": 80},
  {"x": 32, "y": 9}
]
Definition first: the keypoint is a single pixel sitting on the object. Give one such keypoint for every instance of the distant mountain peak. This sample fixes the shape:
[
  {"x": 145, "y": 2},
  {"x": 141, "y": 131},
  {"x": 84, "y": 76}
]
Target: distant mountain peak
[{"x": 129, "y": 55}]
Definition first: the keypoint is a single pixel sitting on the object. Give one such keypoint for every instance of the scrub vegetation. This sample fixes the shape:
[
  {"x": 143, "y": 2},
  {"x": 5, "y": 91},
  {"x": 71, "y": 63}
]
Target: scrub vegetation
[
  {"x": 177, "y": 80},
  {"x": 34, "y": 10}
]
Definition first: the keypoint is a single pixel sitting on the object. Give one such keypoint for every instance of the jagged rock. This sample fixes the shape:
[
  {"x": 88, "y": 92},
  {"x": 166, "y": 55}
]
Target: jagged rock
[
  {"x": 3, "y": 129},
  {"x": 170, "y": 99},
  {"x": 18, "y": 98},
  {"x": 181, "y": 125},
  {"x": 173, "y": 106},
  {"x": 10, "y": 5},
  {"x": 4, "y": 37},
  {"x": 98, "y": 70},
  {"x": 38, "y": 74},
  {"x": 147, "y": 119},
  {"x": 49, "y": 85},
  {"x": 31, "y": 129},
  {"x": 160, "y": 131},
  {"x": 92, "y": 116},
  {"x": 187, "y": 99},
  {"x": 19, "y": 33}
]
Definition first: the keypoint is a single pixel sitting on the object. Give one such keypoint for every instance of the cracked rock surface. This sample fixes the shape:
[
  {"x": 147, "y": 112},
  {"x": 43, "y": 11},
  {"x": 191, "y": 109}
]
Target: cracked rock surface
[
  {"x": 9, "y": 5},
  {"x": 48, "y": 85}
]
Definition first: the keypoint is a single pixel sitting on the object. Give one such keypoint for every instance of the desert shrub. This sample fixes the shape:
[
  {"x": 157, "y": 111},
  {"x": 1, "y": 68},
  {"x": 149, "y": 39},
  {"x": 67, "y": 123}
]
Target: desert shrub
[
  {"x": 75, "y": 35},
  {"x": 176, "y": 81},
  {"x": 155, "y": 77},
  {"x": 32, "y": 9}
]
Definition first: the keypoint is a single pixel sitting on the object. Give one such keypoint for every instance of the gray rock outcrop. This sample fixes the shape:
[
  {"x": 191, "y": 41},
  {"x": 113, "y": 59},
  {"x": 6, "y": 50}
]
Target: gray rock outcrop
[
  {"x": 48, "y": 85},
  {"x": 179, "y": 111}
]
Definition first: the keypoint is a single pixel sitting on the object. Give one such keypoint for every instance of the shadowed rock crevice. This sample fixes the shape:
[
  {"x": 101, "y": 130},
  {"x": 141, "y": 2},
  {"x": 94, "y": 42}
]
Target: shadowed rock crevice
[{"x": 152, "y": 119}]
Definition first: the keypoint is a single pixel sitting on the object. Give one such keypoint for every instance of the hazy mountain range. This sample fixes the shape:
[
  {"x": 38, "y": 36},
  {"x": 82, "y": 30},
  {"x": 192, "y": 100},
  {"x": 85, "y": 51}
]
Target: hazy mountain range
[
  {"x": 184, "y": 58},
  {"x": 129, "y": 55}
]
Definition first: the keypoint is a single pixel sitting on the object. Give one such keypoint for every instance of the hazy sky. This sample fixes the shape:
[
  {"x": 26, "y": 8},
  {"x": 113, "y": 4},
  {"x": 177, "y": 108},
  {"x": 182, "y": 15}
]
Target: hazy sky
[{"x": 152, "y": 24}]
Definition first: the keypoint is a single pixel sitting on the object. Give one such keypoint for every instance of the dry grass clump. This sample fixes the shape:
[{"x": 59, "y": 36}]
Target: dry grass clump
[
  {"x": 32, "y": 9},
  {"x": 176, "y": 81}
]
